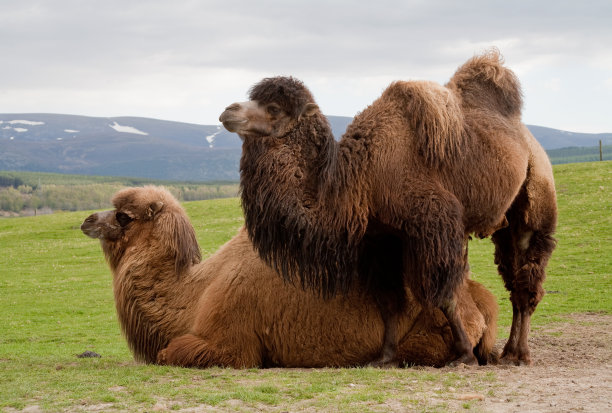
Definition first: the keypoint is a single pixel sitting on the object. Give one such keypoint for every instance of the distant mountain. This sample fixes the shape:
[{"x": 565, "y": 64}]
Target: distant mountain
[
  {"x": 122, "y": 146},
  {"x": 153, "y": 148},
  {"x": 556, "y": 139}
]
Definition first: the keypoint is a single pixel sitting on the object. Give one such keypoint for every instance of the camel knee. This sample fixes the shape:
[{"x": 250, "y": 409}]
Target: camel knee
[
  {"x": 435, "y": 270},
  {"x": 524, "y": 240},
  {"x": 528, "y": 291}
]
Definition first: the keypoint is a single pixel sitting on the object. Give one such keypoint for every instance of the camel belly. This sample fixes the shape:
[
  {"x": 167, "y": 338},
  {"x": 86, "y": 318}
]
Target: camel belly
[{"x": 487, "y": 192}]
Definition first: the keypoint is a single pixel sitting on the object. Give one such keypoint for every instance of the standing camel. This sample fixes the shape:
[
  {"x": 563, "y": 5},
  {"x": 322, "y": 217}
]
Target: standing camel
[{"x": 395, "y": 200}]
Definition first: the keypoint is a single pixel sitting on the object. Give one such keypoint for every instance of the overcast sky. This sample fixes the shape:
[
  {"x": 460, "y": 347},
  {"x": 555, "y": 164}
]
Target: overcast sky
[{"x": 187, "y": 60}]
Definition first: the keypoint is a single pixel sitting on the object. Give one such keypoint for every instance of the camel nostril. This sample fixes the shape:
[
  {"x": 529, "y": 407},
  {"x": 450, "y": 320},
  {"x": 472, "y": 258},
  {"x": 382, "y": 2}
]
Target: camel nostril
[{"x": 233, "y": 106}]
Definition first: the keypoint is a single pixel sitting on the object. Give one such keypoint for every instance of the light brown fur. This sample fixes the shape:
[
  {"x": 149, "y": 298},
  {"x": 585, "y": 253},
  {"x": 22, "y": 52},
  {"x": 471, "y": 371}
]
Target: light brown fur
[{"x": 233, "y": 310}]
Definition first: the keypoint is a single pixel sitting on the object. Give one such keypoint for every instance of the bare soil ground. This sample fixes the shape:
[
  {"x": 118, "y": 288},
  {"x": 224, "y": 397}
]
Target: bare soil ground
[{"x": 571, "y": 371}]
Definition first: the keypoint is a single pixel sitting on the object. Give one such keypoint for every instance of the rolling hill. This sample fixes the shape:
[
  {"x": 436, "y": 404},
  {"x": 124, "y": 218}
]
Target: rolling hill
[{"x": 156, "y": 149}]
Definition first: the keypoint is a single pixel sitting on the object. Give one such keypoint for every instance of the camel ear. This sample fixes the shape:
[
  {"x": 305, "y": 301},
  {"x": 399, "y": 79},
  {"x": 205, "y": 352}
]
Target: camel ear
[
  {"x": 154, "y": 208},
  {"x": 309, "y": 109}
]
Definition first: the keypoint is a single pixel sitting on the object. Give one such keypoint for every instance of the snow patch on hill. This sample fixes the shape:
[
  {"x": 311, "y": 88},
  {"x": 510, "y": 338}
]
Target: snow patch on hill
[
  {"x": 20, "y": 122},
  {"x": 23, "y": 122},
  {"x": 126, "y": 129},
  {"x": 211, "y": 138}
]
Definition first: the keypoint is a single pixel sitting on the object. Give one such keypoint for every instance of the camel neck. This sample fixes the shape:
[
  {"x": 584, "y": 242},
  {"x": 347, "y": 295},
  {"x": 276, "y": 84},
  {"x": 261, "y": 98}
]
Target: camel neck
[
  {"x": 150, "y": 301},
  {"x": 299, "y": 195}
]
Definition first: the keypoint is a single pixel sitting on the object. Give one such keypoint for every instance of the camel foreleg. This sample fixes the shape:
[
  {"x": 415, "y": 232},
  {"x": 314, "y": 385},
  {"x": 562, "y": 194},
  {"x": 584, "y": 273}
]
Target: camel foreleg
[
  {"x": 462, "y": 345},
  {"x": 435, "y": 260},
  {"x": 190, "y": 350},
  {"x": 388, "y": 354}
]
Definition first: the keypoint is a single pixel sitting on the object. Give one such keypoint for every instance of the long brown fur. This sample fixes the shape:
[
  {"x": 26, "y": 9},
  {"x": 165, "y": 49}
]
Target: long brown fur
[
  {"x": 419, "y": 170},
  {"x": 233, "y": 310}
]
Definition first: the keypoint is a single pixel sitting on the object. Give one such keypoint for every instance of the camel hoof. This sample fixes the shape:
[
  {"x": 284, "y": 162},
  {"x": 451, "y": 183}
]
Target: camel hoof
[
  {"x": 493, "y": 358},
  {"x": 161, "y": 357},
  {"x": 384, "y": 363},
  {"x": 468, "y": 359},
  {"x": 513, "y": 360},
  {"x": 524, "y": 362}
]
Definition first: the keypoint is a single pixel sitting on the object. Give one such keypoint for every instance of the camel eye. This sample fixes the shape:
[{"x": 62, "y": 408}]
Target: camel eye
[
  {"x": 273, "y": 110},
  {"x": 122, "y": 218}
]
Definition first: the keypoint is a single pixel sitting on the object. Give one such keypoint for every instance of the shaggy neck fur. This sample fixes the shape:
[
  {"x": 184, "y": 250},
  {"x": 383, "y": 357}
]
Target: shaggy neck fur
[
  {"x": 150, "y": 295},
  {"x": 295, "y": 198}
]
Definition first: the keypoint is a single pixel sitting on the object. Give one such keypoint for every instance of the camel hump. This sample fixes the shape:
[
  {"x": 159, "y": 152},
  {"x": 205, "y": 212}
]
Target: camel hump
[
  {"x": 484, "y": 82},
  {"x": 435, "y": 117}
]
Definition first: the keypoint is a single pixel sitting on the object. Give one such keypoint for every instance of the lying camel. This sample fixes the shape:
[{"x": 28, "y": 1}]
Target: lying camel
[{"x": 233, "y": 310}]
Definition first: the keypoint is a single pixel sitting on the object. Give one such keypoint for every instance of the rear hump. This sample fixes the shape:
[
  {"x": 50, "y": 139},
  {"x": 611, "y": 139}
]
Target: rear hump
[{"x": 484, "y": 82}]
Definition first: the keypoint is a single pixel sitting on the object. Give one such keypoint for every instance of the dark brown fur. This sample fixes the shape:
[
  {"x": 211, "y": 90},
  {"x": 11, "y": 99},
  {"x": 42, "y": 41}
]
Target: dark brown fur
[
  {"x": 233, "y": 310},
  {"x": 419, "y": 170}
]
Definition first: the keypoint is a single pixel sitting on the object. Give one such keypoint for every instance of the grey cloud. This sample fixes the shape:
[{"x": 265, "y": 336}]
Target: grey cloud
[
  {"x": 72, "y": 44},
  {"x": 312, "y": 36}
]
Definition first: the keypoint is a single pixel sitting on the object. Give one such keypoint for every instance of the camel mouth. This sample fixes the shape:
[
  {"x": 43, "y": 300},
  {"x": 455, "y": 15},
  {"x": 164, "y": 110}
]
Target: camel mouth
[
  {"x": 91, "y": 232},
  {"x": 232, "y": 124},
  {"x": 232, "y": 119}
]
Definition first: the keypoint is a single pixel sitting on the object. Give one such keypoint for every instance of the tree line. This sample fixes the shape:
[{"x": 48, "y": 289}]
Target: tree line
[{"x": 29, "y": 193}]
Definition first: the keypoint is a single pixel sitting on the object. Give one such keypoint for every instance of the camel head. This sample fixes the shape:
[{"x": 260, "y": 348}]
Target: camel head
[
  {"x": 114, "y": 225},
  {"x": 148, "y": 217},
  {"x": 274, "y": 108}
]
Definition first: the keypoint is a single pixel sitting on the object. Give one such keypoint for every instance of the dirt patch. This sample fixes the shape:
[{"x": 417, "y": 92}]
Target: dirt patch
[{"x": 571, "y": 371}]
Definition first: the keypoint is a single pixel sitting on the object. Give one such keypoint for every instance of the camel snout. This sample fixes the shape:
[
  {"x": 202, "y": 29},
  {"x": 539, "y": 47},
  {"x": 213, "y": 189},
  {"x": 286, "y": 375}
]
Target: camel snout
[
  {"x": 231, "y": 117},
  {"x": 87, "y": 226},
  {"x": 94, "y": 224}
]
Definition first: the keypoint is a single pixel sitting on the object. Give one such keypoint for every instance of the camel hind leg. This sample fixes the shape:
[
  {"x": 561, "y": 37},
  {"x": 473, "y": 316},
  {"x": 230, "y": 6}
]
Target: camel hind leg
[{"x": 522, "y": 250}]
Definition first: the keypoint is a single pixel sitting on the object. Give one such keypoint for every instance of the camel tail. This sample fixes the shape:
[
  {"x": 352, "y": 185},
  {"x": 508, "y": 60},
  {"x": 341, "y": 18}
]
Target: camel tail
[{"x": 484, "y": 82}]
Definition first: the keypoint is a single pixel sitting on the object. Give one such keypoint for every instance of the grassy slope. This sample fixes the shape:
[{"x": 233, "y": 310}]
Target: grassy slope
[{"x": 56, "y": 302}]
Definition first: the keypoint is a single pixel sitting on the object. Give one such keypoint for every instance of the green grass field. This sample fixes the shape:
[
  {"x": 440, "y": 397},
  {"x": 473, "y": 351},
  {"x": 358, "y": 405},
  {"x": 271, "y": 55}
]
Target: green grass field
[{"x": 56, "y": 302}]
